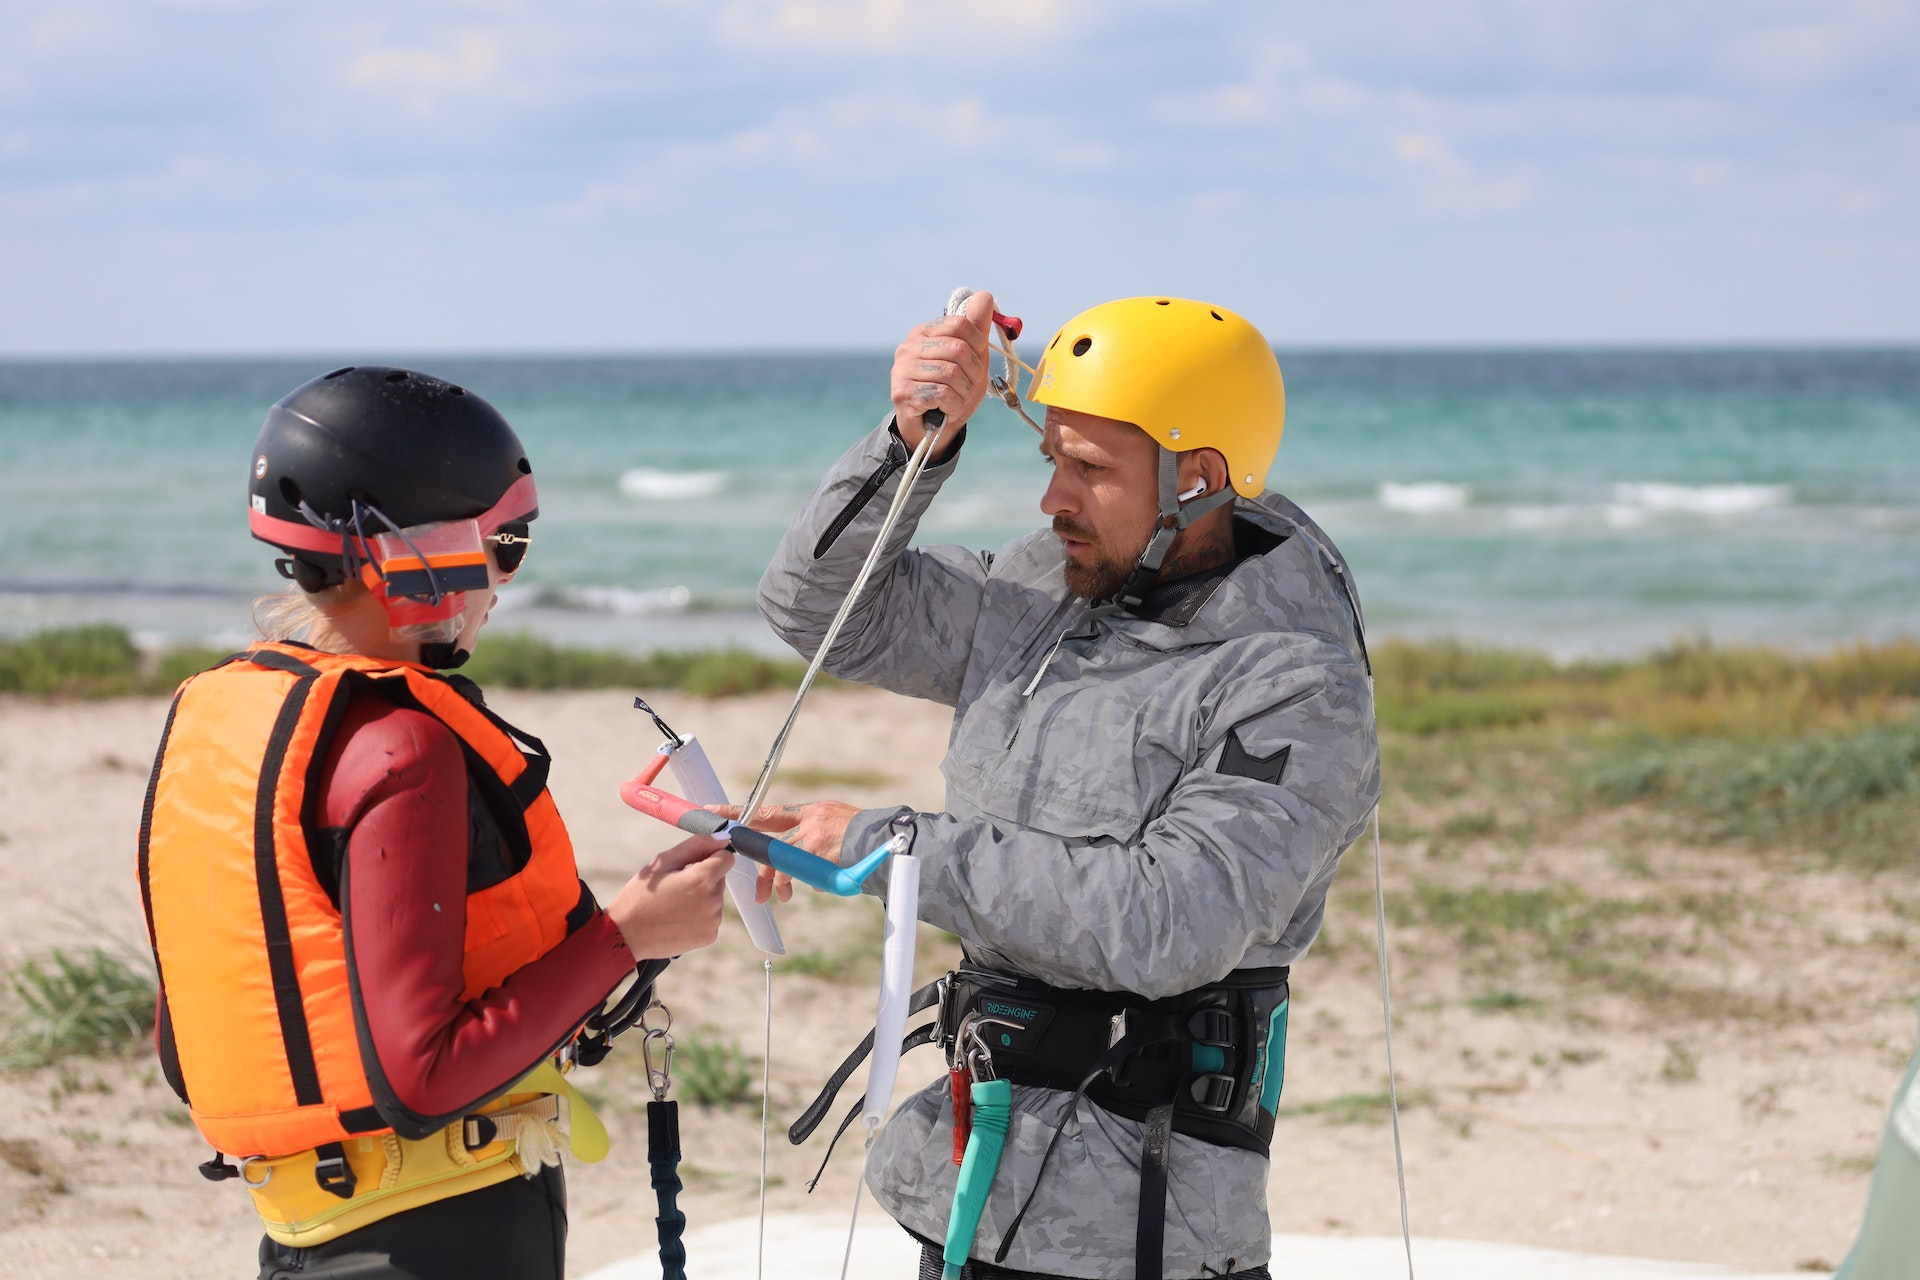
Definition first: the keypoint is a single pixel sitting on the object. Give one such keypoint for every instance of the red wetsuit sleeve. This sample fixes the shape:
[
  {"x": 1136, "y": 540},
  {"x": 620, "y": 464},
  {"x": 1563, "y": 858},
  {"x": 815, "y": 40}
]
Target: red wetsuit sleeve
[{"x": 396, "y": 782}]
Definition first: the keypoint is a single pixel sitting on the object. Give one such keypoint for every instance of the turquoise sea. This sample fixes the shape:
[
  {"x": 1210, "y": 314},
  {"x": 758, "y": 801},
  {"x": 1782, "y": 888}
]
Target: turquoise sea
[{"x": 1577, "y": 501}]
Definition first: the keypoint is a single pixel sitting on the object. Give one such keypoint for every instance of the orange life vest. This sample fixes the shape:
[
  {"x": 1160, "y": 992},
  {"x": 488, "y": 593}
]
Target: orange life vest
[{"x": 257, "y": 1025}]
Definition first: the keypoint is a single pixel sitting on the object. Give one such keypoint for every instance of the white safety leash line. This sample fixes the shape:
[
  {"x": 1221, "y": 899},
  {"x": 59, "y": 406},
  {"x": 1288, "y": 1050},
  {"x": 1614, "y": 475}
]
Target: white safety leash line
[
  {"x": 1386, "y": 1006},
  {"x": 853, "y": 1222},
  {"x": 907, "y": 478},
  {"x": 766, "y": 1089},
  {"x": 930, "y": 435}
]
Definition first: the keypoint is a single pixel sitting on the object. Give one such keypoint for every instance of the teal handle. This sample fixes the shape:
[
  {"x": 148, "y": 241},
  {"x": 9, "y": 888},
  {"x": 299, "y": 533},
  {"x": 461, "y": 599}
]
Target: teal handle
[
  {"x": 805, "y": 867},
  {"x": 992, "y": 1110}
]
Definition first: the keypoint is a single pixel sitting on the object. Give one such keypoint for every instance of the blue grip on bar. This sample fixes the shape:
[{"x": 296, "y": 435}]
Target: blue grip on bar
[{"x": 807, "y": 868}]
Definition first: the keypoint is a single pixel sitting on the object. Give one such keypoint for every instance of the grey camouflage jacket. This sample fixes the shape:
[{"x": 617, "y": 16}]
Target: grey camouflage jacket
[{"x": 1101, "y": 830}]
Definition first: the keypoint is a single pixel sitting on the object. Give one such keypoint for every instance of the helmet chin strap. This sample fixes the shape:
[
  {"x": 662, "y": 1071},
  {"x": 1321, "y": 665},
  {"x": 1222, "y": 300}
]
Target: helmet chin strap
[
  {"x": 1174, "y": 516},
  {"x": 443, "y": 655}
]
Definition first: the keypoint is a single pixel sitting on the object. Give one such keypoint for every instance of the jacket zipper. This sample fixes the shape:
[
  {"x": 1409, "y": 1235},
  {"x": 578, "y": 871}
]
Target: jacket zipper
[{"x": 1026, "y": 694}]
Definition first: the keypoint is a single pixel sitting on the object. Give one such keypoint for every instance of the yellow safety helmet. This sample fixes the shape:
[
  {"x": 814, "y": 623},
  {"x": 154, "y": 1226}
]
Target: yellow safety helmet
[{"x": 1189, "y": 374}]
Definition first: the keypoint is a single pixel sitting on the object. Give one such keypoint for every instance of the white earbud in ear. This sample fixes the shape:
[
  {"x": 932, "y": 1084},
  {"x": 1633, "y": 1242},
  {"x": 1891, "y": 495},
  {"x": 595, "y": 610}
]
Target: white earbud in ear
[{"x": 1199, "y": 487}]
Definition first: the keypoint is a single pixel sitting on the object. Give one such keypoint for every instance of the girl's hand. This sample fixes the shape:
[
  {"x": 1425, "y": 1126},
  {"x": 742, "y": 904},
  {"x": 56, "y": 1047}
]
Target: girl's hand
[{"x": 673, "y": 905}]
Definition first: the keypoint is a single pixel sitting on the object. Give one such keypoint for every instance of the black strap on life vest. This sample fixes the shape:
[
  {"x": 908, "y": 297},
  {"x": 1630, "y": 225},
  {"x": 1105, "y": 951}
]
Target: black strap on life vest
[{"x": 332, "y": 1171}]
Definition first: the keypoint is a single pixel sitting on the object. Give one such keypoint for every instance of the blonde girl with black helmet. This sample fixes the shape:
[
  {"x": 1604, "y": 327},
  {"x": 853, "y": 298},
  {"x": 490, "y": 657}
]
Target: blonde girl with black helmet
[{"x": 374, "y": 948}]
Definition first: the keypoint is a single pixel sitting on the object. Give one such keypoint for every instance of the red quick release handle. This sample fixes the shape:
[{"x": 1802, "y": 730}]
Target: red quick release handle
[
  {"x": 1009, "y": 325},
  {"x": 960, "y": 1081},
  {"x": 652, "y": 771}
]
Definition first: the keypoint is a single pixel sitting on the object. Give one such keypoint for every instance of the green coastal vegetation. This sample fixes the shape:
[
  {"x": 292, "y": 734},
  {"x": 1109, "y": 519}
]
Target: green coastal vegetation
[
  {"x": 1792, "y": 759},
  {"x": 1774, "y": 748},
  {"x": 104, "y": 662}
]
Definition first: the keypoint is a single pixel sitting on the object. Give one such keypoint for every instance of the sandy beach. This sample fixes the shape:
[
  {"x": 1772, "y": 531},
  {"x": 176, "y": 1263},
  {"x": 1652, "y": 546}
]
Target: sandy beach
[{"x": 1730, "y": 1116}]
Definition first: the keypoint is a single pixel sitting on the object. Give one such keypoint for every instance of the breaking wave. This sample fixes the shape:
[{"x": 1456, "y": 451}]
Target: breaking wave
[
  {"x": 624, "y": 602},
  {"x": 1424, "y": 497},
  {"x": 1702, "y": 499},
  {"x": 670, "y": 486}
]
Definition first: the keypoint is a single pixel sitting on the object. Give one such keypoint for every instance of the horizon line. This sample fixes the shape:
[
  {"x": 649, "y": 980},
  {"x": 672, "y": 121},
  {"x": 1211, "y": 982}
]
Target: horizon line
[{"x": 1514, "y": 347}]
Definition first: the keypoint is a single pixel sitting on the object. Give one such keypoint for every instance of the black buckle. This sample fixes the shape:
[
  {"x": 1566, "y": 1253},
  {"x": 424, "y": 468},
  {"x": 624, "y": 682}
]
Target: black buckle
[
  {"x": 1212, "y": 1026},
  {"x": 1116, "y": 1032},
  {"x": 946, "y": 1020},
  {"x": 218, "y": 1170},
  {"x": 1212, "y": 1091},
  {"x": 332, "y": 1172},
  {"x": 478, "y": 1132},
  {"x": 591, "y": 1049}
]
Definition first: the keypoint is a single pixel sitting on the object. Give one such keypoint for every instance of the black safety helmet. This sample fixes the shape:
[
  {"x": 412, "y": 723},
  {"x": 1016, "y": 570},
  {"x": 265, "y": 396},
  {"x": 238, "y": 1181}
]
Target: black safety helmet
[{"x": 389, "y": 447}]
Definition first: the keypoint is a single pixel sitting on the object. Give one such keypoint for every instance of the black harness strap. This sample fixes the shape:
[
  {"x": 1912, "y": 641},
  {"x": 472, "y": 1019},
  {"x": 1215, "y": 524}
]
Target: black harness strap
[
  {"x": 1150, "y": 1229},
  {"x": 1178, "y": 1064},
  {"x": 923, "y": 999},
  {"x": 1141, "y": 1033},
  {"x": 914, "y": 1039}
]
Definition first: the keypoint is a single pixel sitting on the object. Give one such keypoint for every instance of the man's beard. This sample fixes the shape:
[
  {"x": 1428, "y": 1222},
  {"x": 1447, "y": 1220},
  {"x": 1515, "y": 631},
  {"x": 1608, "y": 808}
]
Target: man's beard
[{"x": 1100, "y": 576}]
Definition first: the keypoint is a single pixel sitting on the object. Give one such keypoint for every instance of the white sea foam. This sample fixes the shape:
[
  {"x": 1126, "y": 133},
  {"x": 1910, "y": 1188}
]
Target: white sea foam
[
  {"x": 1702, "y": 499},
  {"x": 626, "y": 602},
  {"x": 1424, "y": 497},
  {"x": 977, "y": 510},
  {"x": 1536, "y": 518},
  {"x": 671, "y": 486},
  {"x": 512, "y": 596}
]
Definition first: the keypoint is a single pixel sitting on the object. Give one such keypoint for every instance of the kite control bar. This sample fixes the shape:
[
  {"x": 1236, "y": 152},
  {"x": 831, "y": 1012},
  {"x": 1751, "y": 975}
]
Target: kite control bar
[{"x": 808, "y": 869}]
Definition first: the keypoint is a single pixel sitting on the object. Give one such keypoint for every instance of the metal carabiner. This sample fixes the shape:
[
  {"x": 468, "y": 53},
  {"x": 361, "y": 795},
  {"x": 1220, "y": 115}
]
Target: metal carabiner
[
  {"x": 659, "y": 1076},
  {"x": 978, "y": 1054}
]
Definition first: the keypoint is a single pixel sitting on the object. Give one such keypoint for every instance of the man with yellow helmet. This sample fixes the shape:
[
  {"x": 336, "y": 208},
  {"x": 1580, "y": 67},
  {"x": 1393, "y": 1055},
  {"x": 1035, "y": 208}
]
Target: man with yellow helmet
[{"x": 1163, "y": 742}]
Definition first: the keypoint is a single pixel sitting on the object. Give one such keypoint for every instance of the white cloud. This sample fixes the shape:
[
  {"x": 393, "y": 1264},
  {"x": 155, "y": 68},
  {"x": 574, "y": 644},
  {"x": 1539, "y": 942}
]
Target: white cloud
[
  {"x": 1448, "y": 184},
  {"x": 469, "y": 63},
  {"x": 1080, "y": 157},
  {"x": 861, "y": 140},
  {"x": 891, "y": 26},
  {"x": 1347, "y": 159},
  {"x": 74, "y": 28},
  {"x": 1822, "y": 46},
  {"x": 1279, "y": 75}
]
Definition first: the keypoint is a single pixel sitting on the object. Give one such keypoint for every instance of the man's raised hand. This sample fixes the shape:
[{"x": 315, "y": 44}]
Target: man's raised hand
[{"x": 943, "y": 365}]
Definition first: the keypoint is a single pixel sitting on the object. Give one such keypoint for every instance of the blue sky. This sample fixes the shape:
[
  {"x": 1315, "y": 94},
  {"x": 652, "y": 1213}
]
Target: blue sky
[{"x": 224, "y": 176}]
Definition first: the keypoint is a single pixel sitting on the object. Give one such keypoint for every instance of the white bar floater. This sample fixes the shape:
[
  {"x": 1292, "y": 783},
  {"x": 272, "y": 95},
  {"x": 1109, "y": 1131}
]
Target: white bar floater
[
  {"x": 896, "y": 983},
  {"x": 694, "y": 775}
]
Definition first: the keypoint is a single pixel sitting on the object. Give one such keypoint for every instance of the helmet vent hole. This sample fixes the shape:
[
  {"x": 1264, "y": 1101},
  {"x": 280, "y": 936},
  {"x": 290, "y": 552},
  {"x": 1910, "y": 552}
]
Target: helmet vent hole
[
  {"x": 291, "y": 492},
  {"x": 1082, "y": 345},
  {"x": 526, "y": 468},
  {"x": 1216, "y": 316},
  {"x": 456, "y": 391},
  {"x": 1164, "y": 302},
  {"x": 398, "y": 375},
  {"x": 337, "y": 372},
  {"x": 1055, "y": 342}
]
